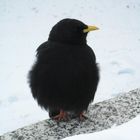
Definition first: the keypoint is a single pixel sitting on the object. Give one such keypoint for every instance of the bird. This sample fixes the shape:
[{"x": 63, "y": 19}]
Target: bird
[{"x": 65, "y": 74}]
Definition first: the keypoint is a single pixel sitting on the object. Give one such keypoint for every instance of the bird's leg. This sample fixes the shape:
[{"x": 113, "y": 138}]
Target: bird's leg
[
  {"x": 61, "y": 116},
  {"x": 82, "y": 116}
]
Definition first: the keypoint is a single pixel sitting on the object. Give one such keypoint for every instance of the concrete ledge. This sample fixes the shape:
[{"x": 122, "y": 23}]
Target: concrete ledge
[{"x": 102, "y": 115}]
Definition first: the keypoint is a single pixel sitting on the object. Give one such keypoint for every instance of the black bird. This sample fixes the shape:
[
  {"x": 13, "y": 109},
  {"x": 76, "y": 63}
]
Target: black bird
[{"x": 65, "y": 75}]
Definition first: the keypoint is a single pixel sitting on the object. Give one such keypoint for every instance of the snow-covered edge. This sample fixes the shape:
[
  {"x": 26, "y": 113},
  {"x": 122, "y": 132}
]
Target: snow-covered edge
[{"x": 102, "y": 115}]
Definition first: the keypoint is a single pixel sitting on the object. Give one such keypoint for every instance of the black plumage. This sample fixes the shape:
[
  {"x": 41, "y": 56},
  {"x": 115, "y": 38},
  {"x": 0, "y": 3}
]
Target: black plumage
[{"x": 65, "y": 75}]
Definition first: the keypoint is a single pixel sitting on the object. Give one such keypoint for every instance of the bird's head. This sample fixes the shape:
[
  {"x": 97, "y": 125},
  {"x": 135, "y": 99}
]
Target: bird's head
[{"x": 70, "y": 31}]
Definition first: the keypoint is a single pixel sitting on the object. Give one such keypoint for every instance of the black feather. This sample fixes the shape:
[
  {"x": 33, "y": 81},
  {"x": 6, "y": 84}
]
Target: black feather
[{"x": 65, "y": 74}]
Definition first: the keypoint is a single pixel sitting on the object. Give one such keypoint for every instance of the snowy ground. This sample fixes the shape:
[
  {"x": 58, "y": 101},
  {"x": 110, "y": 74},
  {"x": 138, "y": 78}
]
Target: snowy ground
[
  {"x": 24, "y": 25},
  {"x": 128, "y": 131},
  {"x": 100, "y": 116}
]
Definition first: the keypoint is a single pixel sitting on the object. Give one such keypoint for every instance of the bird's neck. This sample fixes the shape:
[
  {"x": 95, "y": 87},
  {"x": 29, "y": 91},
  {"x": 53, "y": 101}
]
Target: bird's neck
[{"x": 67, "y": 43}]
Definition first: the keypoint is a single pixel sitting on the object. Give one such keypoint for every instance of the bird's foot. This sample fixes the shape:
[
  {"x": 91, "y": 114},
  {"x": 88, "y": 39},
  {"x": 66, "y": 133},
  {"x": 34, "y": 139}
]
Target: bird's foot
[
  {"x": 61, "y": 116},
  {"x": 82, "y": 117}
]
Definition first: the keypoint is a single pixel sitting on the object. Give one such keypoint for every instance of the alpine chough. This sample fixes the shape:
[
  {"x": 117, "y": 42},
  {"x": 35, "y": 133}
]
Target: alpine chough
[{"x": 65, "y": 75}]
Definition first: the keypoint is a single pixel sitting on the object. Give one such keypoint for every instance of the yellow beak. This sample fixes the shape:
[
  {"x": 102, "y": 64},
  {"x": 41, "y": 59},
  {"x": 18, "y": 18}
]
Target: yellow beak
[{"x": 90, "y": 28}]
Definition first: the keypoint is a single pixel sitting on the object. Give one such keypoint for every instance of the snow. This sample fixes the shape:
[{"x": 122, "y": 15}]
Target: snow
[
  {"x": 127, "y": 131},
  {"x": 24, "y": 25}
]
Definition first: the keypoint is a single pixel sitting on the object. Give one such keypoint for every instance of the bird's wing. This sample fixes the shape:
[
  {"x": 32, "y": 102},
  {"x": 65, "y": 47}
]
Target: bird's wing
[{"x": 41, "y": 47}]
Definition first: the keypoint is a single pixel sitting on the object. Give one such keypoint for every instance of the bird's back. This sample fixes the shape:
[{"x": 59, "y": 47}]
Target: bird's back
[{"x": 64, "y": 76}]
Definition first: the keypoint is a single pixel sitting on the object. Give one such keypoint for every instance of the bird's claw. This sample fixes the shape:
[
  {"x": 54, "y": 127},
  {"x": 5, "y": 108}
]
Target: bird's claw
[
  {"x": 61, "y": 116},
  {"x": 82, "y": 117}
]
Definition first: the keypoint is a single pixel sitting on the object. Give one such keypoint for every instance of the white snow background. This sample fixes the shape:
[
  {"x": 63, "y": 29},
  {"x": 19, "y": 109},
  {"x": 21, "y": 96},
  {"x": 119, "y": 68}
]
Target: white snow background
[{"x": 24, "y": 25}]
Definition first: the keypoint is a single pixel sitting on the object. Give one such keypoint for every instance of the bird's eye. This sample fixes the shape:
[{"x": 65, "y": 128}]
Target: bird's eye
[{"x": 80, "y": 28}]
